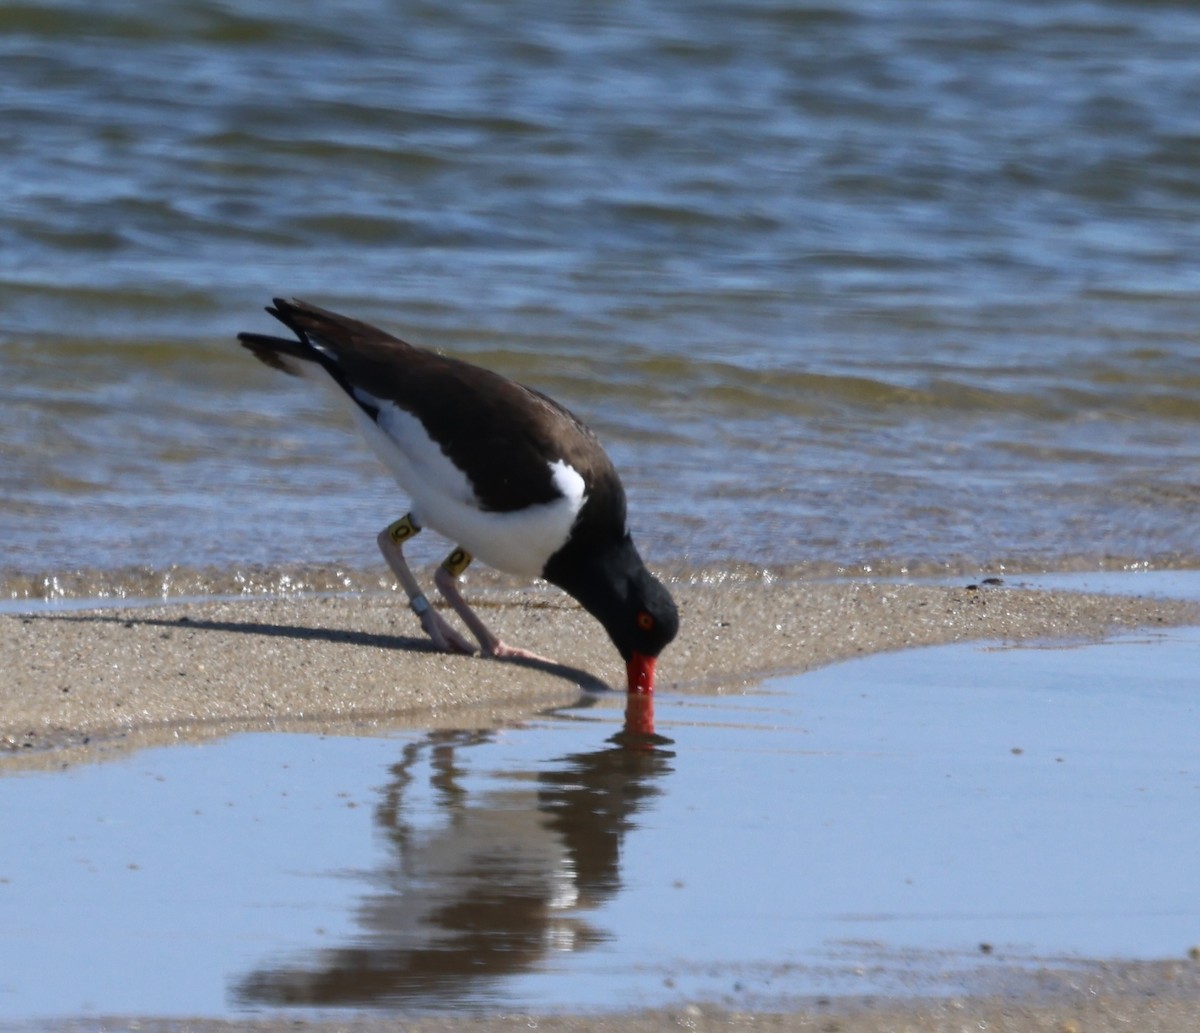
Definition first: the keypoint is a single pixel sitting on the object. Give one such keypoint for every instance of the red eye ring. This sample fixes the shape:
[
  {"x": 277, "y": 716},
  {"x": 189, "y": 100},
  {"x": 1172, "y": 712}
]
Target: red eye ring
[{"x": 645, "y": 621}]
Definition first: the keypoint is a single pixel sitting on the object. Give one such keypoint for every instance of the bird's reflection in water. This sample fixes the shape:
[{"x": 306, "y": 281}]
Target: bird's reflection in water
[{"x": 502, "y": 878}]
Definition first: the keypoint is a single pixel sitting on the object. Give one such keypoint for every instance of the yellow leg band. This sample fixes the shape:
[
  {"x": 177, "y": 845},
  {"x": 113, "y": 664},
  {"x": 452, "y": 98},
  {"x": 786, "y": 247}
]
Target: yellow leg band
[
  {"x": 457, "y": 561},
  {"x": 403, "y": 529}
]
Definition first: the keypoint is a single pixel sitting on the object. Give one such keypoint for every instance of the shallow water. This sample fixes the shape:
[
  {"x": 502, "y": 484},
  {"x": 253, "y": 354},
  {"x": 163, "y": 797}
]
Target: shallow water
[
  {"x": 848, "y": 285},
  {"x": 862, "y": 828}
]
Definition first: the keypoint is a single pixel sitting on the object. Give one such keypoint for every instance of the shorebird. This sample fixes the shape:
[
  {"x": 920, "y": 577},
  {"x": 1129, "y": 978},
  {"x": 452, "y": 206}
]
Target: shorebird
[{"x": 506, "y": 473}]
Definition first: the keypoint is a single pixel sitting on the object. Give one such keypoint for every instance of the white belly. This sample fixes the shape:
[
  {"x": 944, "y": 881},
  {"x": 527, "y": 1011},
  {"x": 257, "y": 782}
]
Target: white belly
[{"x": 442, "y": 498}]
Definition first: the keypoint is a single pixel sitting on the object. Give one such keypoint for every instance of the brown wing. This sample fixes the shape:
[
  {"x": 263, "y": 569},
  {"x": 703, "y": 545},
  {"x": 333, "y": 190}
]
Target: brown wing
[{"x": 501, "y": 433}]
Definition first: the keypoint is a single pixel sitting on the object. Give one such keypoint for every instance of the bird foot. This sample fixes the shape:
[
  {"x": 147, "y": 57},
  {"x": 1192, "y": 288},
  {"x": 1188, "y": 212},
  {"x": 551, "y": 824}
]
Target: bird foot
[
  {"x": 445, "y": 638},
  {"x": 501, "y": 651}
]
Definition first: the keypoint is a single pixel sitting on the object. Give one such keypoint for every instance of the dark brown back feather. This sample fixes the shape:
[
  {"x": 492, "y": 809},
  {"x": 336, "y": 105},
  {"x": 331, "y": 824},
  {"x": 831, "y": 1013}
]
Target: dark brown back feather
[{"x": 502, "y": 432}]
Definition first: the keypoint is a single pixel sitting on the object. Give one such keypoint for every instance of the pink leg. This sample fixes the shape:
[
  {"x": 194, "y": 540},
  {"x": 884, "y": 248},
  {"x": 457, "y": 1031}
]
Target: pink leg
[
  {"x": 446, "y": 580},
  {"x": 444, "y": 637}
]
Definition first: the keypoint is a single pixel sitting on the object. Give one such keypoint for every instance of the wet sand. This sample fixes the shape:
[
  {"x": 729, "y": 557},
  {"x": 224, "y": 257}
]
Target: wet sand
[
  {"x": 83, "y": 685},
  {"x": 1151, "y": 998}
]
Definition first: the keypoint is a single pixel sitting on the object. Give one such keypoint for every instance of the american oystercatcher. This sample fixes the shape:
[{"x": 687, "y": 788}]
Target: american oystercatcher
[{"x": 506, "y": 473}]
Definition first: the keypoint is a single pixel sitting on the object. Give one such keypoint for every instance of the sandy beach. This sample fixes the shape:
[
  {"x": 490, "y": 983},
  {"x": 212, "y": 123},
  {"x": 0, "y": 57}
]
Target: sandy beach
[
  {"x": 121, "y": 678},
  {"x": 88, "y": 684}
]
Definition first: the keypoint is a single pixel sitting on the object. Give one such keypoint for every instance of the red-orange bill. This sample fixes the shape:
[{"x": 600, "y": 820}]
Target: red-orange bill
[{"x": 641, "y": 674}]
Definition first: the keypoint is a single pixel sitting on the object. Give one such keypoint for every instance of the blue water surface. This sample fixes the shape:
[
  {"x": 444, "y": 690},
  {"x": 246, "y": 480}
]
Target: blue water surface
[{"x": 862, "y": 828}]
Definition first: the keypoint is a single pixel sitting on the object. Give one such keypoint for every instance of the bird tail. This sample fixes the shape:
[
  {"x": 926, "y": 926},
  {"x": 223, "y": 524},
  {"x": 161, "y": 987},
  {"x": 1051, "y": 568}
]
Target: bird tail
[
  {"x": 289, "y": 356},
  {"x": 293, "y": 357},
  {"x": 320, "y": 336}
]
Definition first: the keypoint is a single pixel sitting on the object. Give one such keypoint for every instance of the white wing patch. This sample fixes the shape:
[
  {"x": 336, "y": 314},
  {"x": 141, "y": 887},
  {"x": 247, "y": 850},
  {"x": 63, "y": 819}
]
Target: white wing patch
[{"x": 569, "y": 481}]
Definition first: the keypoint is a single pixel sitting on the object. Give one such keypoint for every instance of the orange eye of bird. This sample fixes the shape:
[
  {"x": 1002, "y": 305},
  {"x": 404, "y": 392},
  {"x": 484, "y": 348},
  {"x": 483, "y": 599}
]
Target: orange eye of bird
[{"x": 645, "y": 621}]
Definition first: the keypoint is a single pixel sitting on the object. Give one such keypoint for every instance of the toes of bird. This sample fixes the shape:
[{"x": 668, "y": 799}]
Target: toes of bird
[
  {"x": 502, "y": 651},
  {"x": 450, "y": 640}
]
